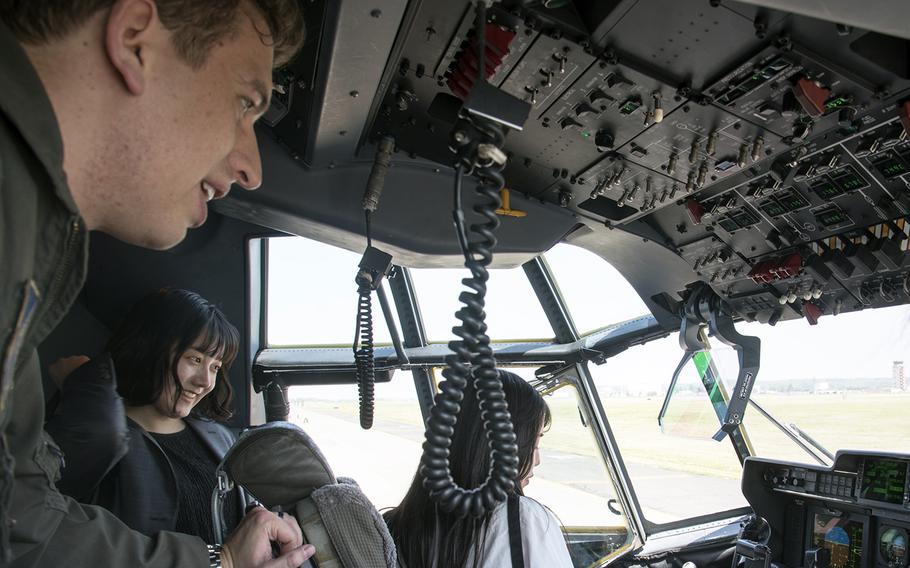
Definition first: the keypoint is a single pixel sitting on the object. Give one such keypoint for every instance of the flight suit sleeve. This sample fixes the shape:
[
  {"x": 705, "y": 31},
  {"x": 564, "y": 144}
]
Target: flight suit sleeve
[{"x": 88, "y": 536}]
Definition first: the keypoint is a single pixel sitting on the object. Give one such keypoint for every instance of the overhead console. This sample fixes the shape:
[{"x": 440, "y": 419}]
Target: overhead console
[
  {"x": 764, "y": 149},
  {"x": 853, "y": 514}
]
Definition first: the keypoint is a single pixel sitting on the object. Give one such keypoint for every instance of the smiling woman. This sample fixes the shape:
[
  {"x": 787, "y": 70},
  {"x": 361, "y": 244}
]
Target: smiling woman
[{"x": 170, "y": 358}]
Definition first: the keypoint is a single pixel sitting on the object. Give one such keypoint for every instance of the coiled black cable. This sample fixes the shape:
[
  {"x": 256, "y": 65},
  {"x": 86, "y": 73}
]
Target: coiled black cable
[
  {"x": 472, "y": 358},
  {"x": 477, "y": 143},
  {"x": 363, "y": 349},
  {"x": 363, "y": 340}
]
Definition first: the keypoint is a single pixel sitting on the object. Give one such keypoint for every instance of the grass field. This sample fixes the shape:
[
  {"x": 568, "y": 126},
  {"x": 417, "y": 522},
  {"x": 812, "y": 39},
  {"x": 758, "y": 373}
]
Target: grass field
[
  {"x": 678, "y": 473},
  {"x": 837, "y": 421}
]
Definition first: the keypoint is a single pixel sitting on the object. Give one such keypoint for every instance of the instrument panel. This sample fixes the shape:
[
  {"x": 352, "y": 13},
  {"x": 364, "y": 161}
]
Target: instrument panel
[{"x": 853, "y": 514}]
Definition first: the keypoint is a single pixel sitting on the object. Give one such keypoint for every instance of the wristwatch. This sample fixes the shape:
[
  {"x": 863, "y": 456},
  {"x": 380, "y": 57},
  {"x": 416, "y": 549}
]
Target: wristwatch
[{"x": 214, "y": 555}]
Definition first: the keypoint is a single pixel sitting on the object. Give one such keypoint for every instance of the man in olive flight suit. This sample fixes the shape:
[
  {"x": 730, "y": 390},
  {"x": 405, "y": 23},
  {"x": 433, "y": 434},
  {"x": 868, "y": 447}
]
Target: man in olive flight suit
[{"x": 124, "y": 116}]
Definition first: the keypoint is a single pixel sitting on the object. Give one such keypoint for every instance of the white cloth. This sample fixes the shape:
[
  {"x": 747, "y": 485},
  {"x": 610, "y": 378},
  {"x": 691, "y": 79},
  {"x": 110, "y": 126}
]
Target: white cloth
[{"x": 542, "y": 540}]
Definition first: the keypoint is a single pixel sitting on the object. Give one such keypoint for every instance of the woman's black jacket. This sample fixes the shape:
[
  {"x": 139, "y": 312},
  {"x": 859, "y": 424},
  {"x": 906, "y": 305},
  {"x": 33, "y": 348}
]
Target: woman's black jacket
[{"x": 112, "y": 461}]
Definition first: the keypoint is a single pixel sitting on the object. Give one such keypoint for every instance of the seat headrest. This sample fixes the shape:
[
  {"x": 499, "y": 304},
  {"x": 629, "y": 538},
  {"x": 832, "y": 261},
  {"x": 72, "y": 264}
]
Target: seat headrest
[{"x": 278, "y": 464}]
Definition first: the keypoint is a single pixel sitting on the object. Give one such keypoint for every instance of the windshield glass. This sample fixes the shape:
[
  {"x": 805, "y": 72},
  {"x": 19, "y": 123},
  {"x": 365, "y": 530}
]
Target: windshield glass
[
  {"x": 677, "y": 470},
  {"x": 596, "y": 294},
  {"x": 310, "y": 306},
  {"x": 512, "y": 309}
]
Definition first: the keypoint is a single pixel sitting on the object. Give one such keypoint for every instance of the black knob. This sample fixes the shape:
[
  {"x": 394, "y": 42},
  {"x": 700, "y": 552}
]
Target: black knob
[{"x": 603, "y": 140}]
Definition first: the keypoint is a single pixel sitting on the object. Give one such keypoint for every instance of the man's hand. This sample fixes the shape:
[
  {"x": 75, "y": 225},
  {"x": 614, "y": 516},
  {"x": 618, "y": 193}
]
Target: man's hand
[
  {"x": 61, "y": 368},
  {"x": 250, "y": 545}
]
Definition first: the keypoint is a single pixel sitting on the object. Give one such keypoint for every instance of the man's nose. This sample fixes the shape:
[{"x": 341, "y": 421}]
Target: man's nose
[{"x": 244, "y": 161}]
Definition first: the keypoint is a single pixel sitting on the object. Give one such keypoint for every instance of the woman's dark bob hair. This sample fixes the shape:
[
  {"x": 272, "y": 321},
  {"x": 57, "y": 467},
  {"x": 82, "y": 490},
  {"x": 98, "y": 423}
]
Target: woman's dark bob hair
[
  {"x": 424, "y": 534},
  {"x": 147, "y": 347}
]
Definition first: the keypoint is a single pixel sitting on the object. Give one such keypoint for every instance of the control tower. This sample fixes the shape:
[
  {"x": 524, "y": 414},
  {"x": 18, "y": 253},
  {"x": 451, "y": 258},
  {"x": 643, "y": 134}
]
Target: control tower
[{"x": 897, "y": 373}]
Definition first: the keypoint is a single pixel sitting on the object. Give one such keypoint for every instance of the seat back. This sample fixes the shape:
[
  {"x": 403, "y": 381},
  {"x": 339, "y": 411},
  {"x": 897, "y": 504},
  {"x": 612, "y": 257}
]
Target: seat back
[{"x": 280, "y": 466}]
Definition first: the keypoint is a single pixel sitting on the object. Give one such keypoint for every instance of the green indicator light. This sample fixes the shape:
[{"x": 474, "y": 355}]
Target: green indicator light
[
  {"x": 836, "y": 102},
  {"x": 585, "y": 134},
  {"x": 629, "y": 107}
]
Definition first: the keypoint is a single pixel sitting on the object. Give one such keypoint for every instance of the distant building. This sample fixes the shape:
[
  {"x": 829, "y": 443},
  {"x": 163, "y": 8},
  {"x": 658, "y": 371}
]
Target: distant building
[{"x": 897, "y": 373}]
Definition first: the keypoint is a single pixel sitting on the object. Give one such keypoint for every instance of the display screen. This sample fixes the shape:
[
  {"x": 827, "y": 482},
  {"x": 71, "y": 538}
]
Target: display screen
[
  {"x": 849, "y": 180},
  {"x": 884, "y": 481},
  {"x": 772, "y": 208},
  {"x": 831, "y": 217},
  {"x": 892, "y": 547},
  {"x": 892, "y": 168},
  {"x": 792, "y": 201},
  {"x": 842, "y": 537},
  {"x": 826, "y": 189}
]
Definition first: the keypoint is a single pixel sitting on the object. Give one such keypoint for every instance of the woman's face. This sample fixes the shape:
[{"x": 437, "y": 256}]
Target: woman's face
[
  {"x": 197, "y": 373},
  {"x": 535, "y": 461}
]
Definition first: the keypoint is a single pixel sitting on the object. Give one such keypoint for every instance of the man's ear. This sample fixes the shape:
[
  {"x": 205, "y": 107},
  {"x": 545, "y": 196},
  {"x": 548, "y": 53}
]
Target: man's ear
[{"x": 128, "y": 35}]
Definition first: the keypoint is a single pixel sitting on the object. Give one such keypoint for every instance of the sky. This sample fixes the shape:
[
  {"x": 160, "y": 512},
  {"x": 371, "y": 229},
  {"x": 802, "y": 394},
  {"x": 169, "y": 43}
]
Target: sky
[{"x": 307, "y": 310}]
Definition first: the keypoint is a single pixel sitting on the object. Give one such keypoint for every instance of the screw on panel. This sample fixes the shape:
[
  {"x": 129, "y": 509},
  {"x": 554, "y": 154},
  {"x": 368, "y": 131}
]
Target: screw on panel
[
  {"x": 761, "y": 26},
  {"x": 354, "y": 94},
  {"x": 376, "y": 13}
]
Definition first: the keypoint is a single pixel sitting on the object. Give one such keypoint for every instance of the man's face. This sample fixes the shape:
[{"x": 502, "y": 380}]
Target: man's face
[{"x": 190, "y": 137}]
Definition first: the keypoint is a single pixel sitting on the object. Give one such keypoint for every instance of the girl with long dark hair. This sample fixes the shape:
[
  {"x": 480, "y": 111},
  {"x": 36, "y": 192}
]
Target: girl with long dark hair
[
  {"x": 150, "y": 458},
  {"x": 427, "y": 537}
]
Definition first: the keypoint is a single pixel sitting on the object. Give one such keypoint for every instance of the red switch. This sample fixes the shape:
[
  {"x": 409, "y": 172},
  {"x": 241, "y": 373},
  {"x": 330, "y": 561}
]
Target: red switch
[
  {"x": 696, "y": 211},
  {"x": 811, "y": 97},
  {"x": 462, "y": 73},
  {"x": 904, "y": 113},
  {"x": 812, "y": 312},
  {"x": 760, "y": 273},
  {"x": 789, "y": 266}
]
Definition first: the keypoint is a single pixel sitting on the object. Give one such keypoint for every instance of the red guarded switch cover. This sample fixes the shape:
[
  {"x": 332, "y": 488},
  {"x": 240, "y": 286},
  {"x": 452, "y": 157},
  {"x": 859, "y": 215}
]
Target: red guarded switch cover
[
  {"x": 811, "y": 97},
  {"x": 812, "y": 313}
]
